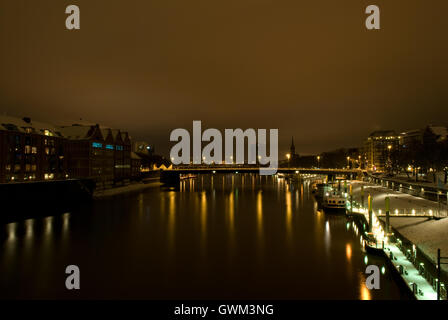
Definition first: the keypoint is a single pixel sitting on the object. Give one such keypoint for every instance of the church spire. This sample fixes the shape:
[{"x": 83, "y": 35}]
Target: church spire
[{"x": 292, "y": 148}]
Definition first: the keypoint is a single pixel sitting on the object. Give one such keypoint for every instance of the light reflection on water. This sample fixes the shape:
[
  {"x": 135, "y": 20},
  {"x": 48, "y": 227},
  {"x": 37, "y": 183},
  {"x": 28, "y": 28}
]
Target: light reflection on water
[{"x": 220, "y": 236}]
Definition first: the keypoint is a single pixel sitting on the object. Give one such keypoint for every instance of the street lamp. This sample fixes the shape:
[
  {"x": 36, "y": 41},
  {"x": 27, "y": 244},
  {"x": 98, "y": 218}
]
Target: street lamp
[
  {"x": 288, "y": 156},
  {"x": 318, "y": 160},
  {"x": 348, "y": 162},
  {"x": 389, "y": 161}
]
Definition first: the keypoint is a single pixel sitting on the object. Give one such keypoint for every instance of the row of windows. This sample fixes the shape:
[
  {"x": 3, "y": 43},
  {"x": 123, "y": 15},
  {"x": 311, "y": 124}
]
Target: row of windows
[
  {"x": 28, "y": 140},
  {"x": 30, "y": 177},
  {"x": 99, "y": 145}
]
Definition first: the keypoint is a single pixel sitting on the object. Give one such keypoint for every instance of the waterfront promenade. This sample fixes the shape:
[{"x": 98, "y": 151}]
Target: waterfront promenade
[
  {"x": 400, "y": 203},
  {"x": 401, "y": 260},
  {"x": 426, "y": 233}
]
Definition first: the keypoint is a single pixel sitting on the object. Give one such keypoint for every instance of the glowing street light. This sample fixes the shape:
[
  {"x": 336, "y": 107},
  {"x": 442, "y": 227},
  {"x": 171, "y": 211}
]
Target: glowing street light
[{"x": 318, "y": 161}]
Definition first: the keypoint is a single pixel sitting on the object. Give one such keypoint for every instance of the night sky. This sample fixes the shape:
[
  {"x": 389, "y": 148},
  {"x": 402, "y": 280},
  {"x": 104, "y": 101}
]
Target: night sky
[{"x": 309, "y": 68}]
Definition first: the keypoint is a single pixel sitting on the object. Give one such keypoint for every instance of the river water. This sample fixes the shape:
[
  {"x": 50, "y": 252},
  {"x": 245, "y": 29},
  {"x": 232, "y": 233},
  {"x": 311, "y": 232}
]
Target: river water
[{"x": 217, "y": 237}]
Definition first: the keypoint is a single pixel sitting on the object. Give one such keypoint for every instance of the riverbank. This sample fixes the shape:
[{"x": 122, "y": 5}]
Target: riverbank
[
  {"x": 426, "y": 233},
  {"x": 402, "y": 202},
  {"x": 420, "y": 237},
  {"x": 133, "y": 187},
  {"x": 419, "y": 183},
  {"x": 409, "y": 271}
]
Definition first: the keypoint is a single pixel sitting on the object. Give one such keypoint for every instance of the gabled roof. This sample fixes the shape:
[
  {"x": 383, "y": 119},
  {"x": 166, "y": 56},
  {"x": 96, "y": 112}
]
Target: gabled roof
[
  {"x": 11, "y": 123},
  {"x": 116, "y": 134},
  {"x": 77, "y": 132},
  {"x": 81, "y": 132},
  {"x": 107, "y": 135},
  {"x": 125, "y": 137}
]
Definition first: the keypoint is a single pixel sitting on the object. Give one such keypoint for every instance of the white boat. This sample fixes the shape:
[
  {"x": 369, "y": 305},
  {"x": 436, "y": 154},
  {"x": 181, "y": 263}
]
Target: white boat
[{"x": 334, "y": 202}]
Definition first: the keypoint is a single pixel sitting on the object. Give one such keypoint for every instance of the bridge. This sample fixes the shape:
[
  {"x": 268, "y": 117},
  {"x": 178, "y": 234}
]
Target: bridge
[{"x": 172, "y": 175}]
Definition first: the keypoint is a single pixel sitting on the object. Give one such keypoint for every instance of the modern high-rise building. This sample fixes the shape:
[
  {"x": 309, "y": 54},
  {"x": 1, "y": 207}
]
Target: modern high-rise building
[{"x": 378, "y": 148}]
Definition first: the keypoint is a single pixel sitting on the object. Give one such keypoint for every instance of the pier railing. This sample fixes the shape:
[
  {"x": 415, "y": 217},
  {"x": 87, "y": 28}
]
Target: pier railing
[
  {"x": 404, "y": 257},
  {"x": 441, "y": 212}
]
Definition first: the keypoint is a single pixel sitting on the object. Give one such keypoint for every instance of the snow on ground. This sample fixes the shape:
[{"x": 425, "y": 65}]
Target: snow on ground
[
  {"x": 398, "y": 200},
  {"x": 420, "y": 183},
  {"x": 427, "y": 234}
]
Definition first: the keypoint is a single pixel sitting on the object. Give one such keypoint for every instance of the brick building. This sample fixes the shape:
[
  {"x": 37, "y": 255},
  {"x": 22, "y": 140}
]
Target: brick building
[
  {"x": 31, "y": 151},
  {"x": 35, "y": 151}
]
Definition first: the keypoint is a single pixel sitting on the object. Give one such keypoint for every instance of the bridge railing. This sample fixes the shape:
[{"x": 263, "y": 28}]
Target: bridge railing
[
  {"x": 440, "y": 212},
  {"x": 257, "y": 166}
]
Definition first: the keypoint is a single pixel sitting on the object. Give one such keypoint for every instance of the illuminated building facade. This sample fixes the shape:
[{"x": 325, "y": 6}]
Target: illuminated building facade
[
  {"x": 100, "y": 153},
  {"x": 377, "y": 149},
  {"x": 30, "y": 151},
  {"x": 35, "y": 151}
]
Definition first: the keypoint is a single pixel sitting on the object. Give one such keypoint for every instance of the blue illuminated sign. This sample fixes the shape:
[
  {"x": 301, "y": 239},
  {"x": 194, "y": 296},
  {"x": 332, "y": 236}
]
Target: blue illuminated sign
[
  {"x": 109, "y": 146},
  {"x": 97, "y": 145}
]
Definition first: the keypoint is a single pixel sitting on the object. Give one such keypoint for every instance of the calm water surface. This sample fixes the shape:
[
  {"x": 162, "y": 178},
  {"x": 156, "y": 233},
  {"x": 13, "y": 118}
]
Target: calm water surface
[{"x": 222, "y": 236}]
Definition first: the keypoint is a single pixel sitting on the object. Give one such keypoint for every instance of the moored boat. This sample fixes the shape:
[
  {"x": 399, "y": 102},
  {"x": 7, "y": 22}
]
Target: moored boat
[{"x": 334, "y": 202}]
